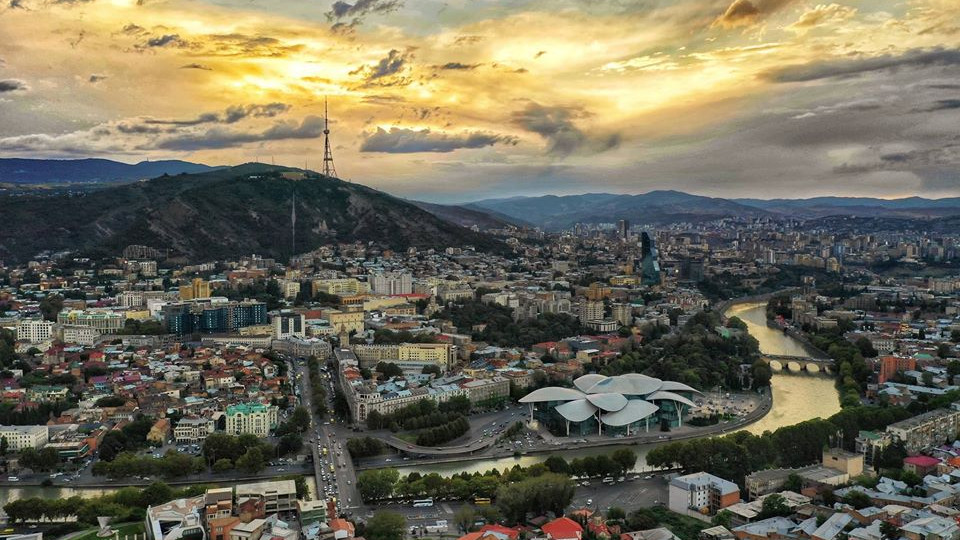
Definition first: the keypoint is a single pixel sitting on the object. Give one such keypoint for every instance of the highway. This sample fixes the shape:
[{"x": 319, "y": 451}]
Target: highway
[{"x": 334, "y": 474}]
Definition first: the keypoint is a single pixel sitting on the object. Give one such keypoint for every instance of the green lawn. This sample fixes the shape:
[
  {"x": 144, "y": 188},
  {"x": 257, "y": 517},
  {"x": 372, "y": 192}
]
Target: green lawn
[{"x": 123, "y": 528}]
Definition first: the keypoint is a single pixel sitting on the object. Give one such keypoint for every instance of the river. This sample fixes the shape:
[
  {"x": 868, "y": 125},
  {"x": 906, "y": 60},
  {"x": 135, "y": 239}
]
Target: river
[{"x": 796, "y": 397}]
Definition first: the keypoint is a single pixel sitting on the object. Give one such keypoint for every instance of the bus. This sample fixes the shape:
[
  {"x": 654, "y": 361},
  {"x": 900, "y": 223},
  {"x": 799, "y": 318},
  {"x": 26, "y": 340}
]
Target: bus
[
  {"x": 481, "y": 501},
  {"x": 420, "y": 503}
]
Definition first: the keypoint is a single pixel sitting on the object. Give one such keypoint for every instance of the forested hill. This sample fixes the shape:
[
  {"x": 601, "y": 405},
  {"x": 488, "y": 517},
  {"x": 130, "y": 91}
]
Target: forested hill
[{"x": 223, "y": 214}]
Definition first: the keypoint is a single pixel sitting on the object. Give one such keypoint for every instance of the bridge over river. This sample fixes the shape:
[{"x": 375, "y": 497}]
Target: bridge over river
[{"x": 798, "y": 363}]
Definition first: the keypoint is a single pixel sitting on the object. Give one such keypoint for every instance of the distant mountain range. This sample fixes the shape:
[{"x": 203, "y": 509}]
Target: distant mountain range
[
  {"x": 222, "y": 214},
  {"x": 84, "y": 171},
  {"x": 554, "y": 212}
]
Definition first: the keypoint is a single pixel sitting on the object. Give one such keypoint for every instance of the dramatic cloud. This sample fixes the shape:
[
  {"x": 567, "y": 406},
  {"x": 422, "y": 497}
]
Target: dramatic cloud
[
  {"x": 386, "y": 72},
  {"x": 556, "y": 126},
  {"x": 12, "y": 85},
  {"x": 343, "y": 10},
  {"x": 747, "y": 12},
  {"x": 406, "y": 141},
  {"x": 844, "y": 68},
  {"x": 197, "y": 66},
  {"x": 216, "y": 138},
  {"x": 459, "y": 66},
  {"x": 96, "y": 78},
  {"x": 166, "y": 40},
  {"x": 231, "y": 115}
]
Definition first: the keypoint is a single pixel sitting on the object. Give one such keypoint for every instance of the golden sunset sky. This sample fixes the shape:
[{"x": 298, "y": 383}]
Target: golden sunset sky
[{"x": 464, "y": 99}]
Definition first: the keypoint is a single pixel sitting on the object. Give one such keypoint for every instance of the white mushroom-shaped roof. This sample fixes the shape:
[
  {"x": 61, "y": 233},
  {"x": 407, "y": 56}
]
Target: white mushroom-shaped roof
[
  {"x": 584, "y": 382},
  {"x": 674, "y": 386},
  {"x": 670, "y": 396},
  {"x": 552, "y": 393},
  {"x": 608, "y": 402},
  {"x": 631, "y": 384},
  {"x": 636, "y": 410},
  {"x": 577, "y": 411}
]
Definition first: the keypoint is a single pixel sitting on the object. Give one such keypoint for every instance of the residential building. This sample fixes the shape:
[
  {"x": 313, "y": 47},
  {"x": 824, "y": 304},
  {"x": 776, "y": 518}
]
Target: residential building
[
  {"x": 391, "y": 283},
  {"x": 193, "y": 430},
  {"x": 928, "y": 429},
  {"x": 34, "y": 330},
  {"x": 23, "y": 437},
  {"x": 196, "y": 289},
  {"x": 591, "y": 310},
  {"x": 701, "y": 493},
  {"x": 278, "y": 495}
]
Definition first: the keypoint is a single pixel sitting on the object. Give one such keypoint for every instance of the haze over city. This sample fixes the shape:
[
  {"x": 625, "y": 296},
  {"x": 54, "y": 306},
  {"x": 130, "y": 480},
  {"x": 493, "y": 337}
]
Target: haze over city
[{"x": 460, "y": 100}]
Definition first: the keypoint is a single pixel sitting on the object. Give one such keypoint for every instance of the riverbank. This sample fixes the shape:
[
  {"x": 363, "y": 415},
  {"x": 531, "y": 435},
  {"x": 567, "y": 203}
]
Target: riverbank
[
  {"x": 647, "y": 439},
  {"x": 192, "y": 480}
]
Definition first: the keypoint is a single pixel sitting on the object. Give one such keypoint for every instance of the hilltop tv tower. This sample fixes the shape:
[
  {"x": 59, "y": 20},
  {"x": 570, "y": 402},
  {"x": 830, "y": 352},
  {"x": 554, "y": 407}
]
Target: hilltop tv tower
[{"x": 328, "y": 167}]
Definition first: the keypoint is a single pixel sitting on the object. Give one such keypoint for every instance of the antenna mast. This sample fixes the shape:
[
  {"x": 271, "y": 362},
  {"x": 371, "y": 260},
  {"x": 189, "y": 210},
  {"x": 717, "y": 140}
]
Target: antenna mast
[{"x": 328, "y": 168}]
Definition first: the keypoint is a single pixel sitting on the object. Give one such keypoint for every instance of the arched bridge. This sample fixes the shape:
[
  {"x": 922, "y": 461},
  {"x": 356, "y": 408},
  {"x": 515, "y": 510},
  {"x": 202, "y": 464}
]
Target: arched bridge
[{"x": 798, "y": 363}]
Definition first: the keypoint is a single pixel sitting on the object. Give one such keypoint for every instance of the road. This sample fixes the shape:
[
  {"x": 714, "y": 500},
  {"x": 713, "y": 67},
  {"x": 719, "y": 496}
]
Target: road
[
  {"x": 333, "y": 471},
  {"x": 641, "y": 492}
]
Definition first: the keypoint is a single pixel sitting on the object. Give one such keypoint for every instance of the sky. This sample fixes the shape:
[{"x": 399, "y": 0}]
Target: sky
[{"x": 459, "y": 100}]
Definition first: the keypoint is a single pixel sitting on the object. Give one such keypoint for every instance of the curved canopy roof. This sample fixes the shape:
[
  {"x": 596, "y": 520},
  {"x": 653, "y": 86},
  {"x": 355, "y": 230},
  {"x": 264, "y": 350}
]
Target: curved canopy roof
[
  {"x": 674, "y": 386},
  {"x": 671, "y": 397},
  {"x": 636, "y": 410},
  {"x": 631, "y": 384},
  {"x": 577, "y": 411},
  {"x": 608, "y": 402},
  {"x": 552, "y": 393},
  {"x": 584, "y": 382}
]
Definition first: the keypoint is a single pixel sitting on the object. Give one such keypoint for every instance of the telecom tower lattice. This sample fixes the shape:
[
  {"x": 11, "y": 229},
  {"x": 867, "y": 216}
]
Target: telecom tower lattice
[{"x": 328, "y": 167}]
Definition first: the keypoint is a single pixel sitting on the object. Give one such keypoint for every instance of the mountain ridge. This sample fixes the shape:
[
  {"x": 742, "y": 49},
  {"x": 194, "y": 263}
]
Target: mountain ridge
[
  {"x": 224, "y": 213},
  {"x": 30, "y": 171}
]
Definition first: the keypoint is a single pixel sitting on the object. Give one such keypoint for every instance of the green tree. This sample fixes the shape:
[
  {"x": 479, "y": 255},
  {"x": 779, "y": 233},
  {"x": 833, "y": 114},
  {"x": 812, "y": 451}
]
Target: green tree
[
  {"x": 4, "y": 445},
  {"x": 222, "y": 465},
  {"x": 857, "y": 499},
  {"x": 377, "y": 483},
  {"x": 724, "y": 518},
  {"x": 616, "y": 513},
  {"x": 386, "y": 525},
  {"x": 889, "y": 531},
  {"x": 251, "y": 461},
  {"x": 465, "y": 517},
  {"x": 774, "y": 505},
  {"x": 548, "y": 492}
]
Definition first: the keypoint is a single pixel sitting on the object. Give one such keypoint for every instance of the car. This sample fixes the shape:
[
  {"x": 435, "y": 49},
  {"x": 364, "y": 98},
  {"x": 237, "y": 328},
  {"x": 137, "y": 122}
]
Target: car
[{"x": 589, "y": 502}]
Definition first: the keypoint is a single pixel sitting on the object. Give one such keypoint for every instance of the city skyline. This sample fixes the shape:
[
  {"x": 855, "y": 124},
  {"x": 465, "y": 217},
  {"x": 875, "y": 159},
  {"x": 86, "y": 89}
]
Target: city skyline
[{"x": 456, "y": 101}]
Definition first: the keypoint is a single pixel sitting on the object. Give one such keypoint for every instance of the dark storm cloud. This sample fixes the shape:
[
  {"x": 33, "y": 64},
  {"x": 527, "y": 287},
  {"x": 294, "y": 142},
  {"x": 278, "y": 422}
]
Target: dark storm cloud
[
  {"x": 197, "y": 66},
  {"x": 387, "y": 71},
  {"x": 12, "y": 85},
  {"x": 344, "y": 10},
  {"x": 556, "y": 125},
  {"x": 95, "y": 78},
  {"x": 16, "y": 4},
  {"x": 166, "y": 40},
  {"x": 916, "y": 58},
  {"x": 231, "y": 115},
  {"x": 217, "y": 137},
  {"x": 406, "y": 141},
  {"x": 459, "y": 66}
]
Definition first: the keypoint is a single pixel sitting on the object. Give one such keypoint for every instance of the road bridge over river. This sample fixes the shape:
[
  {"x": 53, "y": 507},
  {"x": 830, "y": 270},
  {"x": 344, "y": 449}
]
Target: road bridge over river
[{"x": 798, "y": 363}]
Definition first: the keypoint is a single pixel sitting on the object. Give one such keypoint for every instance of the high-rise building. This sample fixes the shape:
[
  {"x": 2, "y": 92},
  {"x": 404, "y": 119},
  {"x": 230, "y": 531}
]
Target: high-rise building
[
  {"x": 391, "y": 283},
  {"x": 197, "y": 288},
  {"x": 623, "y": 229},
  {"x": 622, "y": 313},
  {"x": 287, "y": 325},
  {"x": 212, "y": 318},
  {"x": 650, "y": 262},
  {"x": 591, "y": 310}
]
